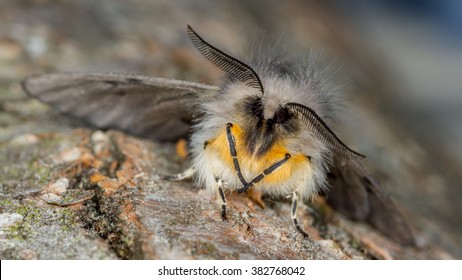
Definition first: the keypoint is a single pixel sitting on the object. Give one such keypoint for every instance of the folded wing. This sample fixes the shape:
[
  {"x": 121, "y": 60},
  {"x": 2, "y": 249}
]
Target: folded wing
[
  {"x": 356, "y": 195},
  {"x": 155, "y": 108}
]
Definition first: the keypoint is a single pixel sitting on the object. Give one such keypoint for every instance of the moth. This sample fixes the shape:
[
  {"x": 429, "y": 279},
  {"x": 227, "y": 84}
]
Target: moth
[{"x": 264, "y": 128}]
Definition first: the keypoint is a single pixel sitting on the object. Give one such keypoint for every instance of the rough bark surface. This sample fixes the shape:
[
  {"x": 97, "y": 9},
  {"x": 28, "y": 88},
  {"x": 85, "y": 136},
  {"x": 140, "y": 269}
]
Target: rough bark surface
[{"x": 90, "y": 194}]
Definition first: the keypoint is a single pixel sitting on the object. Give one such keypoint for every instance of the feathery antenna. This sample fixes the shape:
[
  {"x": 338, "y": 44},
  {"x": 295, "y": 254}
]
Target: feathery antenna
[
  {"x": 239, "y": 70},
  {"x": 323, "y": 132}
]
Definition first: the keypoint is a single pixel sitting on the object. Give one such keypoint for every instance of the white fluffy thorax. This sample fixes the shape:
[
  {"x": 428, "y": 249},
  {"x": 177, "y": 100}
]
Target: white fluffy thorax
[{"x": 225, "y": 107}]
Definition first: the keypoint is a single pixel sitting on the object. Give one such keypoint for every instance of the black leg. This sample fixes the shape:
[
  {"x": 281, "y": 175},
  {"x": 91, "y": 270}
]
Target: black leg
[
  {"x": 294, "y": 215},
  {"x": 232, "y": 149},
  {"x": 233, "y": 152},
  {"x": 265, "y": 172},
  {"x": 222, "y": 198}
]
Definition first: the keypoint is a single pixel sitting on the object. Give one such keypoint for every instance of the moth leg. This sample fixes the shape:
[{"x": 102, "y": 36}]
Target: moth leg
[
  {"x": 233, "y": 152},
  {"x": 265, "y": 172},
  {"x": 295, "y": 200},
  {"x": 187, "y": 174},
  {"x": 221, "y": 194}
]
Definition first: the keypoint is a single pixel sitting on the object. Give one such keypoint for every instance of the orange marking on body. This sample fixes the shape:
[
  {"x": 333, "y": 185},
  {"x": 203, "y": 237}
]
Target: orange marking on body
[
  {"x": 182, "y": 148},
  {"x": 256, "y": 164}
]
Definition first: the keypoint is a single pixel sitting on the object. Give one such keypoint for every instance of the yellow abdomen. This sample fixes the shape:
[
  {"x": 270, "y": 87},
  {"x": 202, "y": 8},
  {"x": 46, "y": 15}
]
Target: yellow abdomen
[{"x": 251, "y": 164}]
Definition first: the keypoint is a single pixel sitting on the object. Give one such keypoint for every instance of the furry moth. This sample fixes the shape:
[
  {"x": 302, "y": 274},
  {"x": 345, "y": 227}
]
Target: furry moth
[{"x": 264, "y": 128}]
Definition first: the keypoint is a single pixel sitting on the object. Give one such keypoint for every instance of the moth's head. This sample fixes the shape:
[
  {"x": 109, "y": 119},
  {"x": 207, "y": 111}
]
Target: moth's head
[
  {"x": 254, "y": 107},
  {"x": 248, "y": 91},
  {"x": 267, "y": 113},
  {"x": 268, "y": 108}
]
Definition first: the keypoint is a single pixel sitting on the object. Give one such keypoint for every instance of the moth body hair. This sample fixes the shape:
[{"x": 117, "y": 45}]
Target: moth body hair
[{"x": 283, "y": 82}]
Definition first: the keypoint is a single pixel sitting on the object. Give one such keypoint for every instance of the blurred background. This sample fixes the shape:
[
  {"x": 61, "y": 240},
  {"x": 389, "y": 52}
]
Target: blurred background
[{"x": 402, "y": 60}]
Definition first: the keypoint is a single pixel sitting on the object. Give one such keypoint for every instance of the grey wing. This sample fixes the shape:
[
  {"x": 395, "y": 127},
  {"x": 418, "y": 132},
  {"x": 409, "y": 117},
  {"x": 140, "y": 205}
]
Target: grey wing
[
  {"x": 356, "y": 195},
  {"x": 155, "y": 108}
]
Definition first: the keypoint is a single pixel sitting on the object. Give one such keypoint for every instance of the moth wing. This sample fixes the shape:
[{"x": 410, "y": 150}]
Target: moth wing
[
  {"x": 356, "y": 195},
  {"x": 155, "y": 108}
]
